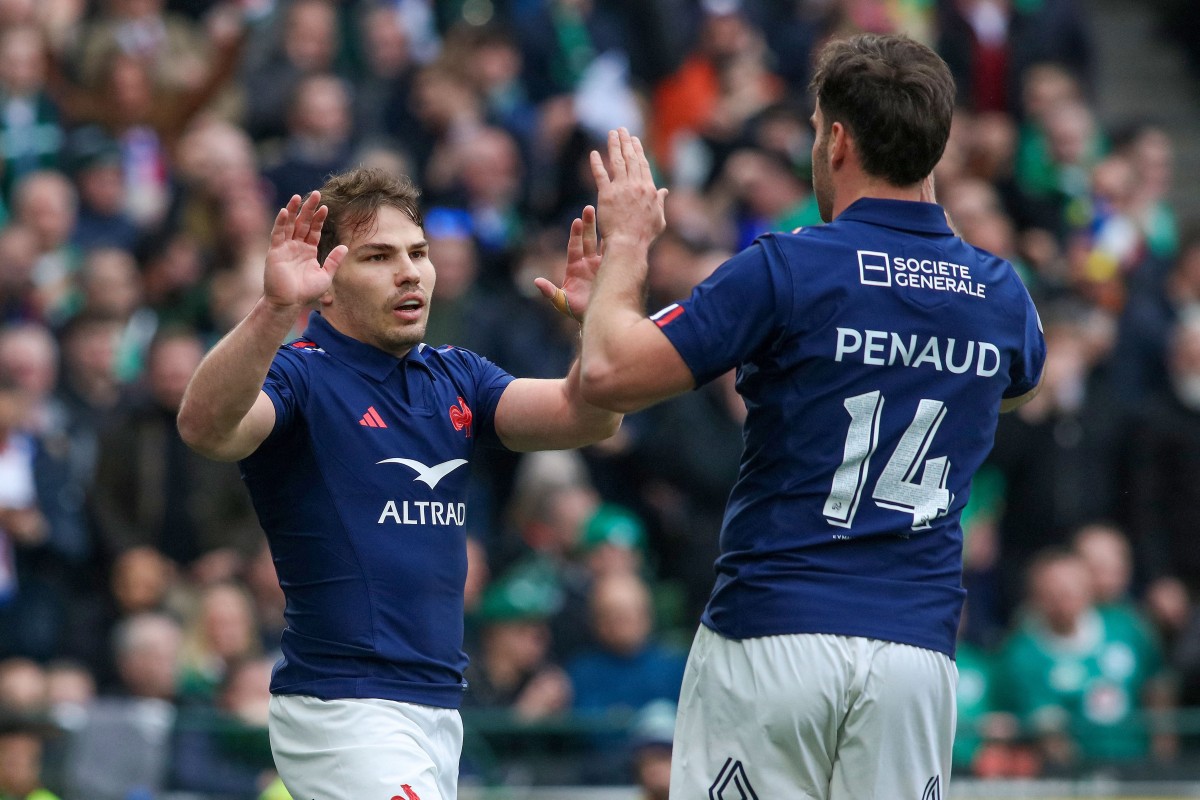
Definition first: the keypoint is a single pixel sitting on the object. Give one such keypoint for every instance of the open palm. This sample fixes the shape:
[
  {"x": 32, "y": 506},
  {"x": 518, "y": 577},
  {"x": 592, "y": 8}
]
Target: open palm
[
  {"x": 584, "y": 251},
  {"x": 294, "y": 276}
]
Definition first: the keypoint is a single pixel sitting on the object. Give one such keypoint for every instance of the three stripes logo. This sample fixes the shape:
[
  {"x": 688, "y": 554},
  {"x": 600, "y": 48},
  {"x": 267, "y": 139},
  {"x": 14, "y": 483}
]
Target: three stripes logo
[
  {"x": 732, "y": 783},
  {"x": 933, "y": 789},
  {"x": 371, "y": 419}
]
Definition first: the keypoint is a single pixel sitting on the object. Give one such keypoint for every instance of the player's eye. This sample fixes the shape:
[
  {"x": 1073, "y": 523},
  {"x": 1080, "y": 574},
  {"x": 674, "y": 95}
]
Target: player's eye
[
  {"x": 418, "y": 254},
  {"x": 378, "y": 257}
]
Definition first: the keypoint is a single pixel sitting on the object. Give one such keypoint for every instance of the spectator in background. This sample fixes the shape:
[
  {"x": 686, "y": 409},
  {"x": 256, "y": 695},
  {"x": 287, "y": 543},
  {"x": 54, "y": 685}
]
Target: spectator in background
[
  {"x": 89, "y": 388},
  {"x": 308, "y": 45},
  {"x": 318, "y": 141},
  {"x": 171, "y": 46},
  {"x": 613, "y": 543},
  {"x": 985, "y": 739},
  {"x": 140, "y": 580},
  {"x": 552, "y": 499},
  {"x": 45, "y": 202},
  {"x": 221, "y": 633},
  {"x": 111, "y": 288},
  {"x": 382, "y": 91},
  {"x": 1161, "y": 503},
  {"x": 22, "y": 686},
  {"x": 174, "y": 271},
  {"x": 22, "y": 525},
  {"x": 214, "y": 161},
  {"x": 628, "y": 667},
  {"x": 651, "y": 734},
  {"x": 18, "y": 258},
  {"x": 990, "y": 44},
  {"x": 22, "y": 739},
  {"x": 124, "y": 742},
  {"x": 148, "y": 118},
  {"x": 152, "y": 490},
  {"x": 29, "y": 120},
  {"x": 1139, "y": 361},
  {"x": 580, "y": 31},
  {"x": 683, "y": 480},
  {"x": 94, "y": 160},
  {"x": 1151, "y": 154},
  {"x": 494, "y": 63},
  {"x": 460, "y": 297},
  {"x": 1080, "y": 680},
  {"x": 52, "y": 567},
  {"x": 1055, "y": 454},
  {"x": 489, "y": 175},
  {"x": 512, "y": 669},
  {"x": 700, "y": 110},
  {"x": 770, "y": 194},
  {"x": 223, "y": 749}
]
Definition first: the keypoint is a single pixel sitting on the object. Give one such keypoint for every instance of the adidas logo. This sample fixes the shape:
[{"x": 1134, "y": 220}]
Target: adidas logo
[{"x": 371, "y": 419}]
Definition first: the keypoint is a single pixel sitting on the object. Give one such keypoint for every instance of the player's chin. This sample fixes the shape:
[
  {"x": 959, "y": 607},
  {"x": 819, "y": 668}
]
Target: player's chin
[{"x": 408, "y": 336}]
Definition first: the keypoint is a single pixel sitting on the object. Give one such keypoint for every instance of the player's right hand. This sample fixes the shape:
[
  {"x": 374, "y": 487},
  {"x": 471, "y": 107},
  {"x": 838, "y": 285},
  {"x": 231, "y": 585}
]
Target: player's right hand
[
  {"x": 293, "y": 276},
  {"x": 631, "y": 209}
]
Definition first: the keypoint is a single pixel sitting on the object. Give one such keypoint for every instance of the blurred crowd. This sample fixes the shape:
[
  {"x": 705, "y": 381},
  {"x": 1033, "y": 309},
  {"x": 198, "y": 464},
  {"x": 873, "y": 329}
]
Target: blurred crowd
[{"x": 146, "y": 145}]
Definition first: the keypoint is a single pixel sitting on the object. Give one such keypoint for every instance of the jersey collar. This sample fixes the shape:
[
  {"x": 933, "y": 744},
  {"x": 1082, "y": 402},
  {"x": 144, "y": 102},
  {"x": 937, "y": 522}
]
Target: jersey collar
[
  {"x": 365, "y": 358},
  {"x": 905, "y": 215}
]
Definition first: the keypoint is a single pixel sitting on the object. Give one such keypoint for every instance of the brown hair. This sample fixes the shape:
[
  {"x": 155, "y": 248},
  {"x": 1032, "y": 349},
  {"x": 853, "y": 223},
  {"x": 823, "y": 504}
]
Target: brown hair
[
  {"x": 355, "y": 197},
  {"x": 896, "y": 98}
]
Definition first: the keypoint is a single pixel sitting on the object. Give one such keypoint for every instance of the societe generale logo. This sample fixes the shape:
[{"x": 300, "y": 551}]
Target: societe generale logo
[{"x": 874, "y": 268}]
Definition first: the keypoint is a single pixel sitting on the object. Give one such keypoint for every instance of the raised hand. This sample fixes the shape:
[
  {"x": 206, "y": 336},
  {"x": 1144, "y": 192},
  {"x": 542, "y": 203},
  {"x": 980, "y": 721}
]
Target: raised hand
[
  {"x": 583, "y": 260},
  {"x": 630, "y": 206},
  {"x": 293, "y": 276}
]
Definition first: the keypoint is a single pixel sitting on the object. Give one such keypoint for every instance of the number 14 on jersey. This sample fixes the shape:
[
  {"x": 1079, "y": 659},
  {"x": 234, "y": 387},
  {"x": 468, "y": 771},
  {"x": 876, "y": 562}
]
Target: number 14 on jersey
[{"x": 896, "y": 488}]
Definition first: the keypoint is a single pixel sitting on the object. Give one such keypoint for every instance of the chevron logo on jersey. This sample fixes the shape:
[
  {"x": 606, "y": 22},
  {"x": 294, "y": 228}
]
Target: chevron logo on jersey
[
  {"x": 732, "y": 783},
  {"x": 933, "y": 789}
]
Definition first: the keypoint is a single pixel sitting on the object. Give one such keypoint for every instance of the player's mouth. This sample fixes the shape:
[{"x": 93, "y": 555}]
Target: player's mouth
[{"x": 410, "y": 307}]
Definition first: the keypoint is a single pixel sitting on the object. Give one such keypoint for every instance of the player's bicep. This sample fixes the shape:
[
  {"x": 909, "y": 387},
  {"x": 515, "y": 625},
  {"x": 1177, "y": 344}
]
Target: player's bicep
[{"x": 651, "y": 369}]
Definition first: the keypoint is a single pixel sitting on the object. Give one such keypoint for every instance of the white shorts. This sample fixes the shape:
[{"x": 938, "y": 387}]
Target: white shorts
[
  {"x": 813, "y": 717},
  {"x": 355, "y": 749}
]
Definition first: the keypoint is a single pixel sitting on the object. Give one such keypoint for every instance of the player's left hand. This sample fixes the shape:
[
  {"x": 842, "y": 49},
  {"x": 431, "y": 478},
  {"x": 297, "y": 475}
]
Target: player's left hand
[
  {"x": 632, "y": 209},
  {"x": 583, "y": 260}
]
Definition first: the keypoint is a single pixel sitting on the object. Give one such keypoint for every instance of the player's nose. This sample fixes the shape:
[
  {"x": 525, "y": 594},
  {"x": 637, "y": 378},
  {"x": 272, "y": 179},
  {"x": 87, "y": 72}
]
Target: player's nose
[{"x": 406, "y": 272}]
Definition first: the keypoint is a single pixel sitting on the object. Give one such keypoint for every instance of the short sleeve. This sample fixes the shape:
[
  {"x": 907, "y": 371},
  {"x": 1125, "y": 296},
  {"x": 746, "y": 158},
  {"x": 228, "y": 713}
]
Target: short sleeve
[
  {"x": 490, "y": 383},
  {"x": 733, "y": 314},
  {"x": 287, "y": 385},
  {"x": 1026, "y": 368}
]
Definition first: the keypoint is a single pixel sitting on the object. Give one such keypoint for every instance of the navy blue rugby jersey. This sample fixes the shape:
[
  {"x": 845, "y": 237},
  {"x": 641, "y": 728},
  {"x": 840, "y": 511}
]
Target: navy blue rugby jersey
[
  {"x": 362, "y": 490},
  {"x": 872, "y": 354}
]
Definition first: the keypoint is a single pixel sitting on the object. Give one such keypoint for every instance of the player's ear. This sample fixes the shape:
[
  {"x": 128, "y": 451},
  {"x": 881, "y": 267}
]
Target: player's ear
[{"x": 839, "y": 143}]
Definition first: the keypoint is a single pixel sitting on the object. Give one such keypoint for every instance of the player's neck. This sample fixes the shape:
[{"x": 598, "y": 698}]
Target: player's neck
[{"x": 853, "y": 188}]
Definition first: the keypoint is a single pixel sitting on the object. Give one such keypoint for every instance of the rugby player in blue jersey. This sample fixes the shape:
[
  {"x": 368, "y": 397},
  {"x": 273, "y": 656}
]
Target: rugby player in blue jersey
[
  {"x": 874, "y": 354},
  {"x": 354, "y": 442}
]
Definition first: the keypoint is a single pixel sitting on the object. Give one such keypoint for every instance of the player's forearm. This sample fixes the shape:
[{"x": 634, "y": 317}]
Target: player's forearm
[
  {"x": 591, "y": 423},
  {"x": 551, "y": 415},
  {"x": 229, "y": 379},
  {"x": 617, "y": 304}
]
